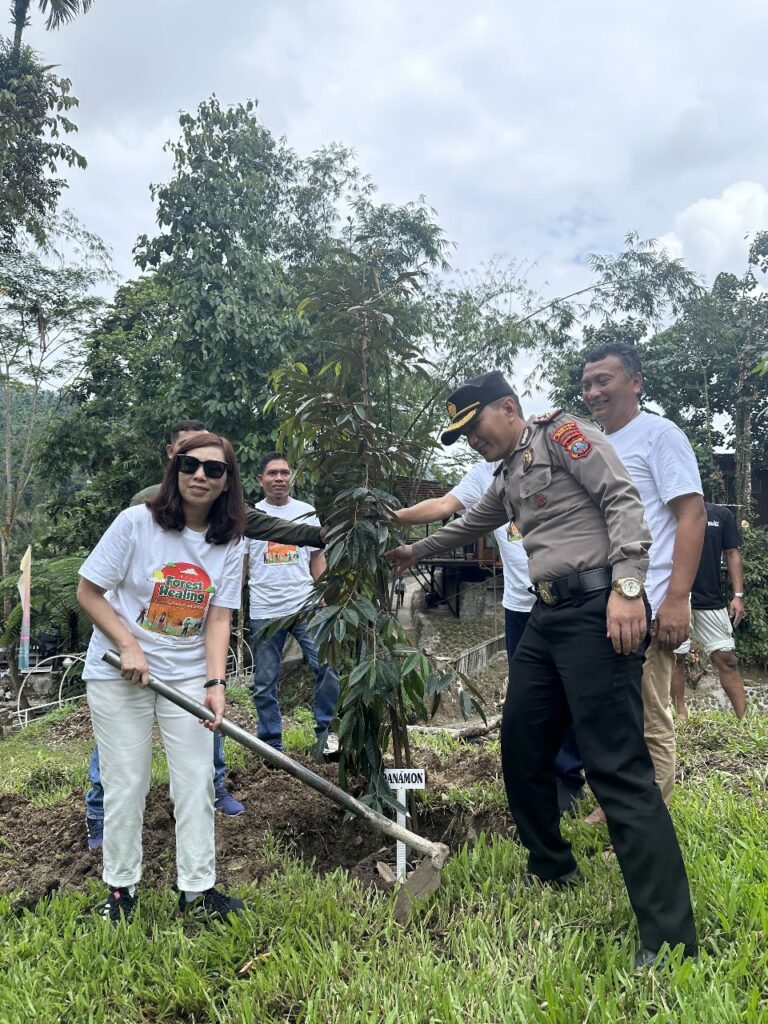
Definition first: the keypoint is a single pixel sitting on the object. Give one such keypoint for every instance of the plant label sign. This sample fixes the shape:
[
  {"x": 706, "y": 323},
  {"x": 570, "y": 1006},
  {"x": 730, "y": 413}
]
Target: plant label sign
[
  {"x": 400, "y": 780},
  {"x": 406, "y": 778}
]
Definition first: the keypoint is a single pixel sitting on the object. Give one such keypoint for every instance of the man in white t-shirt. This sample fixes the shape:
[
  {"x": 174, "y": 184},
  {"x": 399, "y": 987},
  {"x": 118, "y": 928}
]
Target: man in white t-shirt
[
  {"x": 281, "y": 581},
  {"x": 662, "y": 465},
  {"x": 517, "y": 600}
]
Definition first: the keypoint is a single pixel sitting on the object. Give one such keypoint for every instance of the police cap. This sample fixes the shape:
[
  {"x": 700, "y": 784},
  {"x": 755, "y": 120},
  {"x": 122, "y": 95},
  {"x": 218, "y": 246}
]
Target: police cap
[{"x": 467, "y": 401}]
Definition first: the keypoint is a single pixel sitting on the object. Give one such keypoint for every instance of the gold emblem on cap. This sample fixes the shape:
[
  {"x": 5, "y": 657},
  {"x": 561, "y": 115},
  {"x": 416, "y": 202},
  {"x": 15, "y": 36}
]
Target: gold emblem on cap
[{"x": 451, "y": 410}]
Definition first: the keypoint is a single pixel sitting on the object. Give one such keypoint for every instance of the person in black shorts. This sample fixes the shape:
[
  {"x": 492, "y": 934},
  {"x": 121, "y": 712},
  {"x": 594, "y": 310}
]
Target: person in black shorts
[{"x": 712, "y": 618}]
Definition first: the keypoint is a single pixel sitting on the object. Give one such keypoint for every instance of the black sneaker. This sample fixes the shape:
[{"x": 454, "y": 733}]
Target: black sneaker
[
  {"x": 119, "y": 904},
  {"x": 211, "y": 905}
]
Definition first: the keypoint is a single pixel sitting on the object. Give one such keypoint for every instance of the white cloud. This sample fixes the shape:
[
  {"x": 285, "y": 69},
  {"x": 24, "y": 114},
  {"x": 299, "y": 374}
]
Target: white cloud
[
  {"x": 714, "y": 234},
  {"x": 539, "y": 131}
]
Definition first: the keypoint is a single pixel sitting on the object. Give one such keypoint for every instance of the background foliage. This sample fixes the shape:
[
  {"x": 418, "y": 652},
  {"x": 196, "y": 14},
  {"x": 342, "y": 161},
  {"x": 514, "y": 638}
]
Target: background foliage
[
  {"x": 752, "y": 634},
  {"x": 258, "y": 262}
]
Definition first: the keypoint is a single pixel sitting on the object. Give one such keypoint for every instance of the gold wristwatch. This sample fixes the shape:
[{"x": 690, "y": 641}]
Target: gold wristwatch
[{"x": 628, "y": 586}]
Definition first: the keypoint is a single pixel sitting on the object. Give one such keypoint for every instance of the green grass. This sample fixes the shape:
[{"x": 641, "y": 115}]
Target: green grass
[
  {"x": 319, "y": 950},
  {"x": 476, "y": 798},
  {"x": 438, "y": 742}
]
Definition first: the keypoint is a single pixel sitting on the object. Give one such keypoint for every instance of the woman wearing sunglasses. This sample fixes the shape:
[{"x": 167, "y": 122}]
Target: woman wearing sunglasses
[{"x": 160, "y": 587}]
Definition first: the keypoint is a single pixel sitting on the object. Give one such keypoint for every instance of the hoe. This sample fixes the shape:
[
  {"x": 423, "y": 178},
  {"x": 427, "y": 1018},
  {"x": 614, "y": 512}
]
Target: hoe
[{"x": 421, "y": 883}]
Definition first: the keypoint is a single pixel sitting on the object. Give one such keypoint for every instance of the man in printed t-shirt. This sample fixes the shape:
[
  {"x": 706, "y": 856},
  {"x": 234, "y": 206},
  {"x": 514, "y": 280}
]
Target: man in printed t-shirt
[
  {"x": 710, "y": 618},
  {"x": 281, "y": 579}
]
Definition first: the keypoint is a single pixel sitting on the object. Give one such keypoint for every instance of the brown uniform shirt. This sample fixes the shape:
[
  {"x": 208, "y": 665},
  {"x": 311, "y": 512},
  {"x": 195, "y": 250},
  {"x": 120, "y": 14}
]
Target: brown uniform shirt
[
  {"x": 259, "y": 525},
  {"x": 564, "y": 488}
]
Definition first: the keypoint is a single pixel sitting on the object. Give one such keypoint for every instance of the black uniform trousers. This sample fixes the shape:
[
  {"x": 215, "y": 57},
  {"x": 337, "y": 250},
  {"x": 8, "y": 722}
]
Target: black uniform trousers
[{"x": 565, "y": 668}]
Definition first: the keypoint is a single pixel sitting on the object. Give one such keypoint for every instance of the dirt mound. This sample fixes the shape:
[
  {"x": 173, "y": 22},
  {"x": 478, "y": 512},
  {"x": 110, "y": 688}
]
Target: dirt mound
[
  {"x": 44, "y": 849},
  {"x": 76, "y": 725}
]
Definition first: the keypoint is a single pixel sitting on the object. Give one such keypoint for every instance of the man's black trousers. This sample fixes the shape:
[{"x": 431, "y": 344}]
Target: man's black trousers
[
  {"x": 565, "y": 668},
  {"x": 569, "y": 770}
]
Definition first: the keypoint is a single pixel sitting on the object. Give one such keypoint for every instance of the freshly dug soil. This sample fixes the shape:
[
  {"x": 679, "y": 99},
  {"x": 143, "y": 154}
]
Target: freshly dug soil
[{"x": 44, "y": 849}]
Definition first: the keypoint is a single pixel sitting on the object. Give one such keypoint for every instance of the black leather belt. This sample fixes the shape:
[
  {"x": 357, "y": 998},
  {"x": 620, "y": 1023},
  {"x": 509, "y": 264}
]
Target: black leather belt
[{"x": 568, "y": 588}]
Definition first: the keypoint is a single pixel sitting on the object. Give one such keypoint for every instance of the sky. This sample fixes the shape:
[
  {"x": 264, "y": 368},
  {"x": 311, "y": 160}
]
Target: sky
[{"x": 539, "y": 132}]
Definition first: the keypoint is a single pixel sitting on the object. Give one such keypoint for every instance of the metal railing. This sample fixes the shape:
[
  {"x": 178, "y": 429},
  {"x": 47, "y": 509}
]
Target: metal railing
[{"x": 21, "y": 717}]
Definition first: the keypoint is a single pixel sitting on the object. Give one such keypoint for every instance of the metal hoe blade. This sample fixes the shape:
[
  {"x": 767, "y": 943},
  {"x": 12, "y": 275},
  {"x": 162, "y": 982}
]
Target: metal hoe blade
[{"x": 423, "y": 881}]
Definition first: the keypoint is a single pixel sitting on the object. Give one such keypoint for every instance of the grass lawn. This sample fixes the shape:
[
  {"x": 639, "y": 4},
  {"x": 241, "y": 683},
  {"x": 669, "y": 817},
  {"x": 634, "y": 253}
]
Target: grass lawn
[{"x": 323, "y": 949}]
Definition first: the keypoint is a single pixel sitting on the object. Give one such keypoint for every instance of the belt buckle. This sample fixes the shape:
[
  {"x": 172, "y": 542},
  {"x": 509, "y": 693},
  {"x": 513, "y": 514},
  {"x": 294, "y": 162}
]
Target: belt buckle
[{"x": 546, "y": 593}]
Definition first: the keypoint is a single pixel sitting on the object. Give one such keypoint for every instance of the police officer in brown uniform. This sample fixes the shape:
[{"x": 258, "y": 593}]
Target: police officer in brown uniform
[{"x": 563, "y": 487}]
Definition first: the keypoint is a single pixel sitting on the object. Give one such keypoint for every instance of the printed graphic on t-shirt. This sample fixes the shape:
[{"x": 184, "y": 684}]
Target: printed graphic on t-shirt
[
  {"x": 280, "y": 554},
  {"x": 179, "y": 600}
]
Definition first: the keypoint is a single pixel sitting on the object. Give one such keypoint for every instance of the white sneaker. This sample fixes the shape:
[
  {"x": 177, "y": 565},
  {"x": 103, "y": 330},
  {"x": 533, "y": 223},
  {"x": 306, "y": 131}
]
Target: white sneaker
[{"x": 331, "y": 746}]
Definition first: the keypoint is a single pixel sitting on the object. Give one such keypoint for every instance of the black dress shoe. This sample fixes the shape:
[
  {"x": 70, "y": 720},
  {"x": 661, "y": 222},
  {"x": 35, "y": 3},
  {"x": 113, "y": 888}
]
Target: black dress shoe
[
  {"x": 647, "y": 958},
  {"x": 653, "y": 958},
  {"x": 530, "y": 881}
]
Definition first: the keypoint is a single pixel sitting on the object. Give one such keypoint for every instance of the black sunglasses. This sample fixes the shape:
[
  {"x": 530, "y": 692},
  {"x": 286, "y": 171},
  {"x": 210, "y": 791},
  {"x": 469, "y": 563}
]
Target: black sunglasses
[{"x": 188, "y": 464}]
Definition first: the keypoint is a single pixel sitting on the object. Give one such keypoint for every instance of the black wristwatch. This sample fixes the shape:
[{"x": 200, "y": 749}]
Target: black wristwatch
[{"x": 215, "y": 682}]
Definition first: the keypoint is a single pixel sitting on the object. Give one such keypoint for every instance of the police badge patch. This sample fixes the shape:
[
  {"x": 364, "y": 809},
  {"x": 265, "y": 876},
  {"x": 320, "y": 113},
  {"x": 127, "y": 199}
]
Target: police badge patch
[{"x": 569, "y": 436}]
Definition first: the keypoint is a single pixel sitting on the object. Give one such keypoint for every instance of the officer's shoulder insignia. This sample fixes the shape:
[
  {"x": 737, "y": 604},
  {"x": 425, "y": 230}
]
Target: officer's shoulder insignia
[
  {"x": 548, "y": 416},
  {"x": 569, "y": 436}
]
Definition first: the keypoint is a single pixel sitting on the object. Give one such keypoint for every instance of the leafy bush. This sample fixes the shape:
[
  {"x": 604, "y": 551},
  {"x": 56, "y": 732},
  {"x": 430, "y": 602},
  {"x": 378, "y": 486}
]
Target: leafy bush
[{"x": 752, "y": 635}]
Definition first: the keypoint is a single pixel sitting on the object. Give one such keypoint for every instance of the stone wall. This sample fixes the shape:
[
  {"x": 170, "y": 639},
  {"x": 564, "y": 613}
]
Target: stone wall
[{"x": 479, "y": 599}]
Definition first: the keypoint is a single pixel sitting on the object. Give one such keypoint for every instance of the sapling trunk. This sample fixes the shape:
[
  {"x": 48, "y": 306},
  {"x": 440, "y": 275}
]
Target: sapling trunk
[{"x": 396, "y": 745}]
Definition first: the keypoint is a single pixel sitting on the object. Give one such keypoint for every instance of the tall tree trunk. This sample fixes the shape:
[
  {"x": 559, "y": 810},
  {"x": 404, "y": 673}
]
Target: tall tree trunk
[{"x": 19, "y": 19}]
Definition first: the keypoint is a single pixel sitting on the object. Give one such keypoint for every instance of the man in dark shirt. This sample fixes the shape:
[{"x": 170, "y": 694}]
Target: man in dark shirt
[{"x": 710, "y": 619}]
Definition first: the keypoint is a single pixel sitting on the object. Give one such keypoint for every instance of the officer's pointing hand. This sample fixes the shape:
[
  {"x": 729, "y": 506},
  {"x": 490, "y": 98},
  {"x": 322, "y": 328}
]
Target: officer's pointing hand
[
  {"x": 626, "y": 622},
  {"x": 402, "y": 558}
]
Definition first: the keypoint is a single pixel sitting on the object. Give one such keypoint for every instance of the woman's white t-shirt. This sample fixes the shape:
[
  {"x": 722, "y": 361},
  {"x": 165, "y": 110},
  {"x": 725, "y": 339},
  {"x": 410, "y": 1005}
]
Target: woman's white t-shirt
[{"x": 161, "y": 584}]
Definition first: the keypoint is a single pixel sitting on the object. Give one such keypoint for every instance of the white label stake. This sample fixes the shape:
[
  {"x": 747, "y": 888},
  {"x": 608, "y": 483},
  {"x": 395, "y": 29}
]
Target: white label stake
[{"x": 401, "y": 780}]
